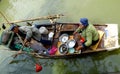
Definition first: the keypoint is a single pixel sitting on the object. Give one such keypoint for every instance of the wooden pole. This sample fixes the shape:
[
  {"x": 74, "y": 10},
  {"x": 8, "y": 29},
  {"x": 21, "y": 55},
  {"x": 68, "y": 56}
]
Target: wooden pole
[
  {"x": 51, "y": 17},
  {"x": 10, "y": 24},
  {"x": 4, "y": 17}
]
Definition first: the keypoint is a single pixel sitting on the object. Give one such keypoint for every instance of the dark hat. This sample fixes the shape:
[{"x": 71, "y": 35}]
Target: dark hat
[
  {"x": 12, "y": 27},
  {"x": 84, "y": 21}
]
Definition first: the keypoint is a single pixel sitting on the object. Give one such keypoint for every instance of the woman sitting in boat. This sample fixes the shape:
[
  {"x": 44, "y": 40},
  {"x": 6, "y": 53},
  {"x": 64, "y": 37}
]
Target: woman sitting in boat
[{"x": 88, "y": 32}]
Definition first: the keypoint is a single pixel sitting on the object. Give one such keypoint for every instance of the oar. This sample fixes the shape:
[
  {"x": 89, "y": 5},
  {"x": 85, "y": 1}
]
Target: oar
[
  {"x": 19, "y": 52},
  {"x": 10, "y": 24},
  {"x": 4, "y": 17}
]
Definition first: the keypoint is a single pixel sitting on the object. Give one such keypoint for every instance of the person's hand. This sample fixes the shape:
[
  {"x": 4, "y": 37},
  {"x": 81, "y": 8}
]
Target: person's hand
[
  {"x": 27, "y": 44},
  {"x": 25, "y": 41},
  {"x": 74, "y": 33},
  {"x": 79, "y": 47},
  {"x": 80, "y": 26}
]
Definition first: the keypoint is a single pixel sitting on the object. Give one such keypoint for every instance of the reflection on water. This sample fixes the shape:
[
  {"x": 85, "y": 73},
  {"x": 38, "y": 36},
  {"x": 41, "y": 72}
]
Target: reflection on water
[{"x": 102, "y": 11}]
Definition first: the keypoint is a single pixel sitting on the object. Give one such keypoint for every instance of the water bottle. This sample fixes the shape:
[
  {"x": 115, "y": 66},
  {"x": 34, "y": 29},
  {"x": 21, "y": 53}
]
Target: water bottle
[
  {"x": 50, "y": 35},
  {"x": 106, "y": 32}
]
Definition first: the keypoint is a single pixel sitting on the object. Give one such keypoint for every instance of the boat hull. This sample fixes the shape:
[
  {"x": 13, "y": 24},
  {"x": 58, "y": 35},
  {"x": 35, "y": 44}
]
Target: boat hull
[{"x": 69, "y": 28}]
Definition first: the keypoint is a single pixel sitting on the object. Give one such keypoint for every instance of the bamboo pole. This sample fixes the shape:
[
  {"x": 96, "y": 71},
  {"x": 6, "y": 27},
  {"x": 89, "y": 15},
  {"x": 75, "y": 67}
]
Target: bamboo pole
[
  {"x": 51, "y": 17},
  {"x": 16, "y": 33},
  {"x": 4, "y": 17},
  {"x": 10, "y": 24}
]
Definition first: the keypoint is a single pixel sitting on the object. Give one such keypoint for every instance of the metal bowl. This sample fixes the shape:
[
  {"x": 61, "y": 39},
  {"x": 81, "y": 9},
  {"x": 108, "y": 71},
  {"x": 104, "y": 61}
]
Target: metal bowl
[
  {"x": 71, "y": 43},
  {"x": 63, "y": 49},
  {"x": 63, "y": 38}
]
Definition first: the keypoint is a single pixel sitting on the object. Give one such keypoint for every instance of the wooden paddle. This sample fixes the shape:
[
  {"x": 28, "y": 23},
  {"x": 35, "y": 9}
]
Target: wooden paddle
[
  {"x": 16, "y": 33},
  {"x": 4, "y": 17},
  {"x": 20, "y": 51}
]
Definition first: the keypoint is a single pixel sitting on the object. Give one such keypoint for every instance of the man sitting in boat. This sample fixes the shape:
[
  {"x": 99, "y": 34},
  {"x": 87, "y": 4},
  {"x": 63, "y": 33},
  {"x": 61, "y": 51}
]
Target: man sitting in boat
[
  {"x": 30, "y": 32},
  {"x": 88, "y": 32},
  {"x": 32, "y": 39}
]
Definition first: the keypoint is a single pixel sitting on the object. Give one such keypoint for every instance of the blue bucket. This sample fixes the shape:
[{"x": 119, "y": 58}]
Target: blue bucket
[{"x": 71, "y": 50}]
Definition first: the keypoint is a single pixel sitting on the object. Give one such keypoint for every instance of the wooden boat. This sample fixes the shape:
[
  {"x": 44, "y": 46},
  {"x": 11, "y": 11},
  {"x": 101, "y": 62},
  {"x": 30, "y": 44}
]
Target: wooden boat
[
  {"x": 108, "y": 39},
  {"x": 108, "y": 43}
]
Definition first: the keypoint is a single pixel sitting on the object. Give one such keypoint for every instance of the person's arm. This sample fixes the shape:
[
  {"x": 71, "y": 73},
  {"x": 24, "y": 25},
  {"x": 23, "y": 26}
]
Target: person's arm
[
  {"x": 25, "y": 41},
  {"x": 88, "y": 41},
  {"x": 77, "y": 30},
  {"x": 28, "y": 36},
  {"x": 27, "y": 31}
]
